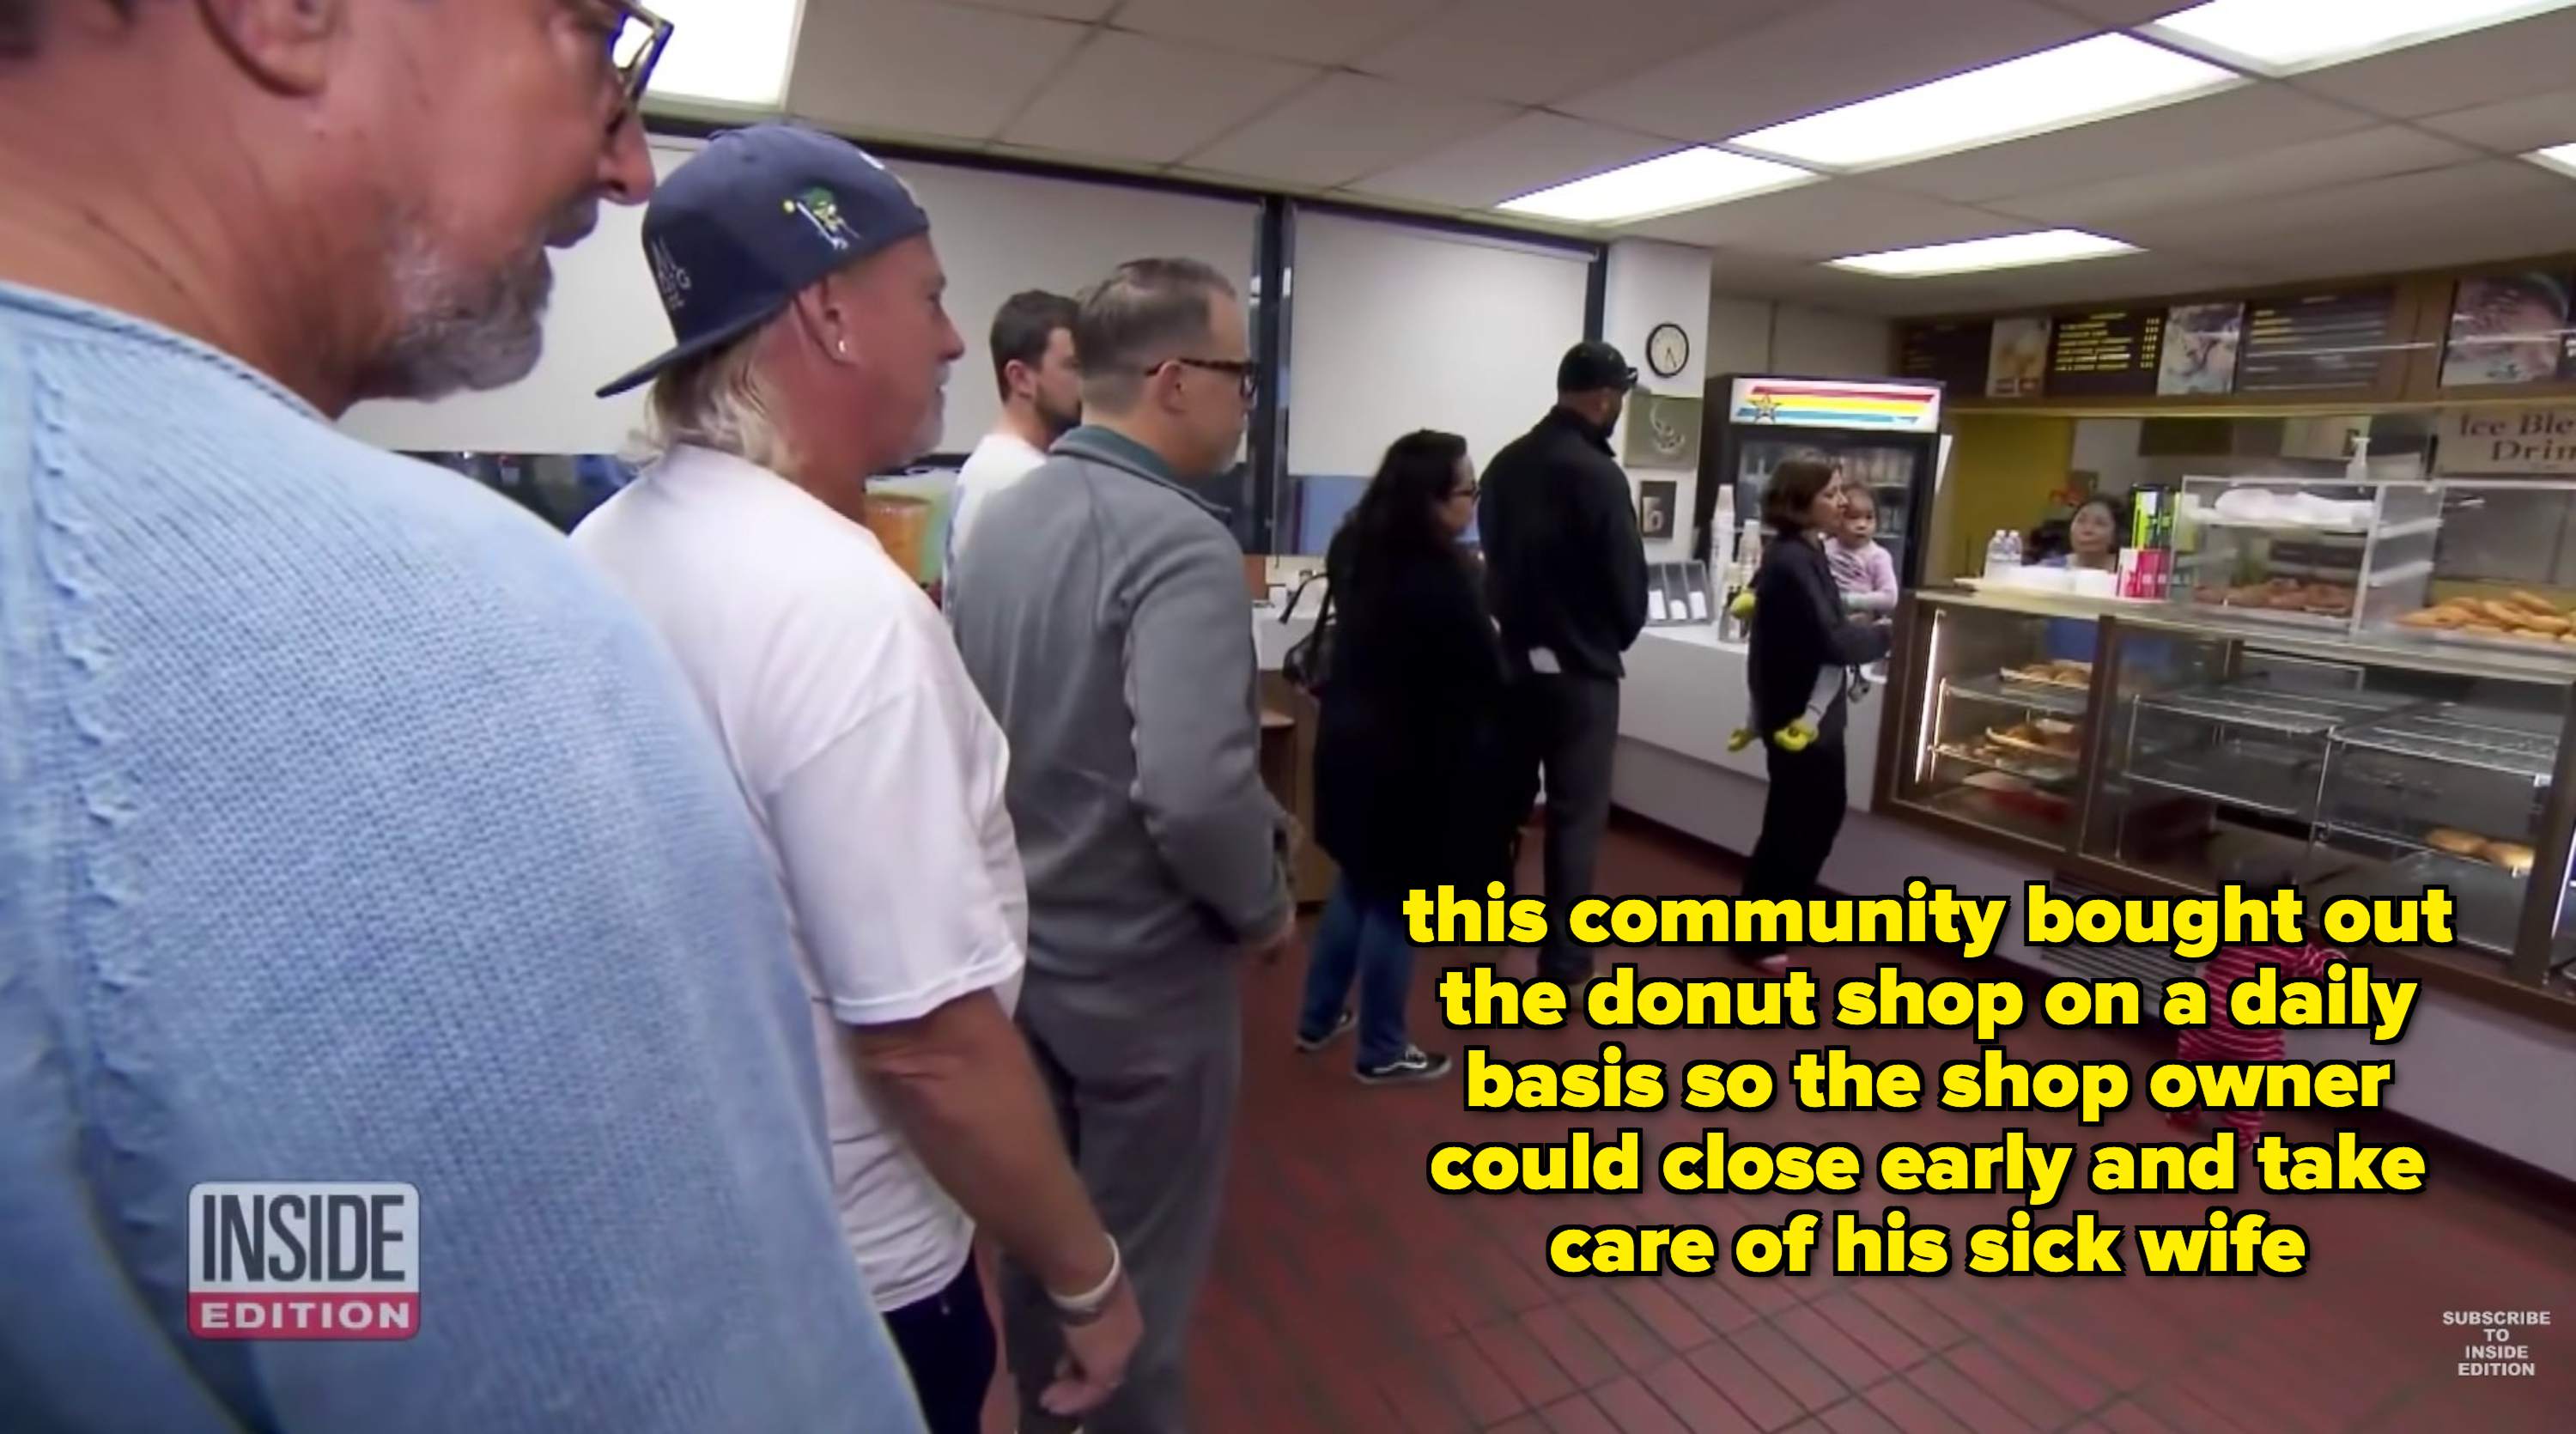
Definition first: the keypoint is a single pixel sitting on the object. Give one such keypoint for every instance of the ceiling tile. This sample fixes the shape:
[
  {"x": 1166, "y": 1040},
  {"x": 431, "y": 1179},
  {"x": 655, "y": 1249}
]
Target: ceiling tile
[
  {"x": 2215, "y": 125},
  {"x": 2507, "y": 227},
  {"x": 1344, "y": 128},
  {"x": 1533, "y": 52},
  {"x": 2533, "y": 57},
  {"x": 1529, "y": 152},
  {"x": 1828, "y": 220},
  {"x": 1084, "y": 10},
  {"x": 918, "y": 68},
  {"x": 1840, "y": 289},
  {"x": 2114, "y": 14},
  {"x": 2458, "y": 197},
  {"x": 1317, "y": 32},
  {"x": 1806, "y": 63},
  {"x": 1128, "y": 97},
  {"x": 2235, "y": 178},
  {"x": 2129, "y": 276},
  {"x": 2513, "y": 126}
]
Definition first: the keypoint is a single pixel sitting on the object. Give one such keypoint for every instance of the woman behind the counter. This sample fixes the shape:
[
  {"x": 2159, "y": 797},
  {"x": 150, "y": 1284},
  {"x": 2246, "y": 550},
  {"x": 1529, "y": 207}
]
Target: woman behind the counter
[
  {"x": 2092, "y": 541},
  {"x": 1799, "y": 636}
]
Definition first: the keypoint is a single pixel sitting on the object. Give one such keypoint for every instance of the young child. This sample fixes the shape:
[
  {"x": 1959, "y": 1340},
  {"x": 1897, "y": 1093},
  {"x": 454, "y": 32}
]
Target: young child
[
  {"x": 1865, "y": 577},
  {"x": 1863, "y": 571},
  {"x": 2223, "y": 1040}
]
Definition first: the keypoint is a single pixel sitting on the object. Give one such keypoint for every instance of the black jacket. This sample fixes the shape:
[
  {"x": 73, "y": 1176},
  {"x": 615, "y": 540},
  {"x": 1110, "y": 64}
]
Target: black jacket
[
  {"x": 1799, "y": 632},
  {"x": 1418, "y": 780},
  {"x": 1565, "y": 568}
]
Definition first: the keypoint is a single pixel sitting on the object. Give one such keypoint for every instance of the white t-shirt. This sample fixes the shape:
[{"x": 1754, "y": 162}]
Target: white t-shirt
[
  {"x": 876, "y": 773},
  {"x": 1002, "y": 459}
]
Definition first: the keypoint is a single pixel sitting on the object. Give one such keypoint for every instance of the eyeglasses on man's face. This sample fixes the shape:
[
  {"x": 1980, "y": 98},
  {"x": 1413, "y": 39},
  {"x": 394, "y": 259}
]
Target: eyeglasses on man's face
[
  {"x": 635, "y": 38},
  {"x": 1245, "y": 375}
]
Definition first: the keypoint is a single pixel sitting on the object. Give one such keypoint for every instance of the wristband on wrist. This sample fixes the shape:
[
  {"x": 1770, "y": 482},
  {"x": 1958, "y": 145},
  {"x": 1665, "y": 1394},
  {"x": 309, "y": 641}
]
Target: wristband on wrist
[{"x": 1087, "y": 1306}]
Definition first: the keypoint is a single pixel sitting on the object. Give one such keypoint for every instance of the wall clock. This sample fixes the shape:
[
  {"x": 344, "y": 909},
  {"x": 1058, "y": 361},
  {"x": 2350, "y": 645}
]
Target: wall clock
[{"x": 1668, "y": 350}]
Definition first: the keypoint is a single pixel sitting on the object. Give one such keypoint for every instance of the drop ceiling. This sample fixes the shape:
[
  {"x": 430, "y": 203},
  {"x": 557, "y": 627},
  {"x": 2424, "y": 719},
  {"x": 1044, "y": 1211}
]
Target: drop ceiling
[{"x": 2407, "y": 160}]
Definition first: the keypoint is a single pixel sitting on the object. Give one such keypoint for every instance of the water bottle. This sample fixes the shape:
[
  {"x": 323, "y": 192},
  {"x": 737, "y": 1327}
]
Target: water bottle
[
  {"x": 2012, "y": 548},
  {"x": 1997, "y": 556}
]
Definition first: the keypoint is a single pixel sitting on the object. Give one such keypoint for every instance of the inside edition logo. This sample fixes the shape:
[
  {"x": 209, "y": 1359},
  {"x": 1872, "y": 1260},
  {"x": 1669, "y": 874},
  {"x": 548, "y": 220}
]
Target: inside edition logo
[{"x": 303, "y": 1261}]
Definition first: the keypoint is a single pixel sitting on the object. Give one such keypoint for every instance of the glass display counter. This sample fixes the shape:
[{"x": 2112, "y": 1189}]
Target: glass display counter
[
  {"x": 2184, "y": 755},
  {"x": 2305, "y": 553},
  {"x": 2340, "y": 769},
  {"x": 2501, "y": 576},
  {"x": 1998, "y": 699}
]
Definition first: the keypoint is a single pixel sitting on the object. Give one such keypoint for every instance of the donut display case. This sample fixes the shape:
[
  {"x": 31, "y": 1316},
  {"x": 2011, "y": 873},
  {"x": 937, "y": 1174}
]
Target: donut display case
[
  {"x": 2319, "y": 555},
  {"x": 2345, "y": 768},
  {"x": 2164, "y": 750},
  {"x": 2001, "y": 714}
]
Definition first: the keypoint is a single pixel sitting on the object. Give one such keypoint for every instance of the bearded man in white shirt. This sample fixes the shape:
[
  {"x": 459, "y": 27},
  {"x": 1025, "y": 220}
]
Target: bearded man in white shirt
[
  {"x": 1041, "y": 388},
  {"x": 812, "y": 352}
]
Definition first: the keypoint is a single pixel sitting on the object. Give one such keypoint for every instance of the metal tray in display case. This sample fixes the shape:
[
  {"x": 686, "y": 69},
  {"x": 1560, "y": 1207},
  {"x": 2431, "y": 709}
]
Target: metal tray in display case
[{"x": 2257, "y": 744}]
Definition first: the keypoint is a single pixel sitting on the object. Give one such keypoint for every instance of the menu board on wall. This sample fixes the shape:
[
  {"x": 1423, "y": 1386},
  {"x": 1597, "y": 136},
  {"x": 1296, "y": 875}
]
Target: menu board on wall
[
  {"x": 2316, "y": 343},
  {"x": 2110, "y": 353},
  {"x": 2510, "y": 329},
  {"x": 1952, "y": 355}
]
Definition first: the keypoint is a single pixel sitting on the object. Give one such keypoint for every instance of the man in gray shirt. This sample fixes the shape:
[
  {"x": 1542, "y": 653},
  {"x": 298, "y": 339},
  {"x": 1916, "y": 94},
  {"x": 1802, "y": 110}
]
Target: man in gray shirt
[{"x": 1103, "y": 614}]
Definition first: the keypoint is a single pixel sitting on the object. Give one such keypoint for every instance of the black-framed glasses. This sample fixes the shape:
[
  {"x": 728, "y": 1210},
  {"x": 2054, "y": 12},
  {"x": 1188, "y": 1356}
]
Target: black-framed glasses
[
  {"x": 635, "y": 46},
  {"x": 1243, "y": 370}
]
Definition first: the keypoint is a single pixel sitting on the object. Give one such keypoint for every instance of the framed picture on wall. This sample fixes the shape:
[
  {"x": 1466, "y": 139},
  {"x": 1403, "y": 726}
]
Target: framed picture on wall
[
  {"x": 1662, "y": 431},
  {"x": 1656, "y": 499},
  {"x": 2509, "y": 329}
]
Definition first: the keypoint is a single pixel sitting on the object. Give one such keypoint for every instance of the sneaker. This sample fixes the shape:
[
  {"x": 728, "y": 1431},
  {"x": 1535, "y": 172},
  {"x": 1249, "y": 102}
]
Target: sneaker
[
  {"x": 1416, "y": 1064},
  {"x": 1308, "y": 1045}
]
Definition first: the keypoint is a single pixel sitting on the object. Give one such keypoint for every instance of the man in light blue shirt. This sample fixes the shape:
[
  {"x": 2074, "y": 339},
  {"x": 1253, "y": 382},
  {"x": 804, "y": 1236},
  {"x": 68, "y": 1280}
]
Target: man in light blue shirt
[{"x": 350, "y": 831}]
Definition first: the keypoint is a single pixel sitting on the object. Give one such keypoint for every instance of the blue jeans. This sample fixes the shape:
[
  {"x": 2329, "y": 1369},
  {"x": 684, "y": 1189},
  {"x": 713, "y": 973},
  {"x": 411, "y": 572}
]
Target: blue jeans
[{"x": 1359, "y": 940}]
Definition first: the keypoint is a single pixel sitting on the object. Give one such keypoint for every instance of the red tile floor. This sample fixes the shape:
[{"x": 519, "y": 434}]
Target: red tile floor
[{"x": 1351, "y": 1297}]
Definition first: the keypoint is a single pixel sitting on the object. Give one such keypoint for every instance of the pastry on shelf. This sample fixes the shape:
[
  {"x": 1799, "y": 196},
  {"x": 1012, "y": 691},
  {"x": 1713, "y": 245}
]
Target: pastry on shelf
[
  {"x": 2456, "y": 843},
  {"x": 2509, "y": 856},
  {"x": 2521, "y": 614},
  {"x": 2514, "y": 857}
]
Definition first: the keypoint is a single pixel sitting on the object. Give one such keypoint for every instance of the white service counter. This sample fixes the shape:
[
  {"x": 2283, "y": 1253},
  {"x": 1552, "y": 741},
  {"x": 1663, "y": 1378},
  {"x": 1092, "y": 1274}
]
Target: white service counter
[
  {"x": 1272, "y": 638},
  {"x": 2487, "y": 1076}
]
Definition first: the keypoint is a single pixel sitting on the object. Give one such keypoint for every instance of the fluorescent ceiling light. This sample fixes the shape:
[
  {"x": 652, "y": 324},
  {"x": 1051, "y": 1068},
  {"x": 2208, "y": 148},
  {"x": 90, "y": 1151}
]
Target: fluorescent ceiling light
[
  {"x": 2283, "y": 35},
  {"x": 1667, "y": 184},
  {"x": 2004, "y": 251},
  {"x": 2560, "y": 157},
  {"x": 731, "y": 52},
  {"x": 2072, "y": 84}
]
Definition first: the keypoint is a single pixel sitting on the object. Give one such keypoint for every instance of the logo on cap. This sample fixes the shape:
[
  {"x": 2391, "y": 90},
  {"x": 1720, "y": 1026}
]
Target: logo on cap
[
  {"x": 669, "y": 277},
  {"x": 823, "y": 210}
]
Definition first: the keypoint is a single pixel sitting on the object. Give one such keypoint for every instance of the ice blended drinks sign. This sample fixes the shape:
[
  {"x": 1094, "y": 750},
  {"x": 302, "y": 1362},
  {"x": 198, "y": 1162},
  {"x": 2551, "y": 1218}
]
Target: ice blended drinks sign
[
  {"x": 303, "y": 1261},
  {"x": 2507, "y": 442}
]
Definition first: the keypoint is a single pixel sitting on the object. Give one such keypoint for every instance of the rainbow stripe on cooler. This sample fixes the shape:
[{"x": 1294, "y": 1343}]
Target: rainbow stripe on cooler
[{"x": 1837, "y": 405}]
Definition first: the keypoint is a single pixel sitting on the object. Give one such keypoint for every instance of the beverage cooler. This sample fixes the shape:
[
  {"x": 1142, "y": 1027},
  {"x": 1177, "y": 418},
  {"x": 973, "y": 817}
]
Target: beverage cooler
[{"x": 1884, "y": 436}]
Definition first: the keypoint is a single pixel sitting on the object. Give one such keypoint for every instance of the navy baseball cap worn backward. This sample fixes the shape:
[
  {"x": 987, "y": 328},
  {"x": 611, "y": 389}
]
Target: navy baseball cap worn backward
[{"x": 754, "y": 219}]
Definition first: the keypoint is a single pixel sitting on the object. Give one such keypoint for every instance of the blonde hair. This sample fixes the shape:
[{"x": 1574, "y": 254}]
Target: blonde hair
[{"x": 717, "y": 400}]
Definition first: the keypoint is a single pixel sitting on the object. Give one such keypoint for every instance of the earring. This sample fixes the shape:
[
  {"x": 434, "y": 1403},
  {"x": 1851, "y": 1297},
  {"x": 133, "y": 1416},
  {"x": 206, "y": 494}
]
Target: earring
[{"x": 841, "y": 347}]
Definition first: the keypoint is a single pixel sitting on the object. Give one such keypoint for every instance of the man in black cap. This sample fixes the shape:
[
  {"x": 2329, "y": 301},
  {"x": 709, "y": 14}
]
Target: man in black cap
[
  {"x": 1566, "y": 574},
  {"x": 812, "y": 346}
]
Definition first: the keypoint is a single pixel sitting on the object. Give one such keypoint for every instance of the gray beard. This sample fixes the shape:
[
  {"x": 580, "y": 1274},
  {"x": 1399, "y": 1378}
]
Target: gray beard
[{"x": 464, "y": 333}]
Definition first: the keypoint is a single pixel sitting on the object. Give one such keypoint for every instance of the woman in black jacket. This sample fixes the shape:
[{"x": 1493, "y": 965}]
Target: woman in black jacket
[
  {"x": 1801, "y": 642},
  {"x": 1416, "y": 782}
]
